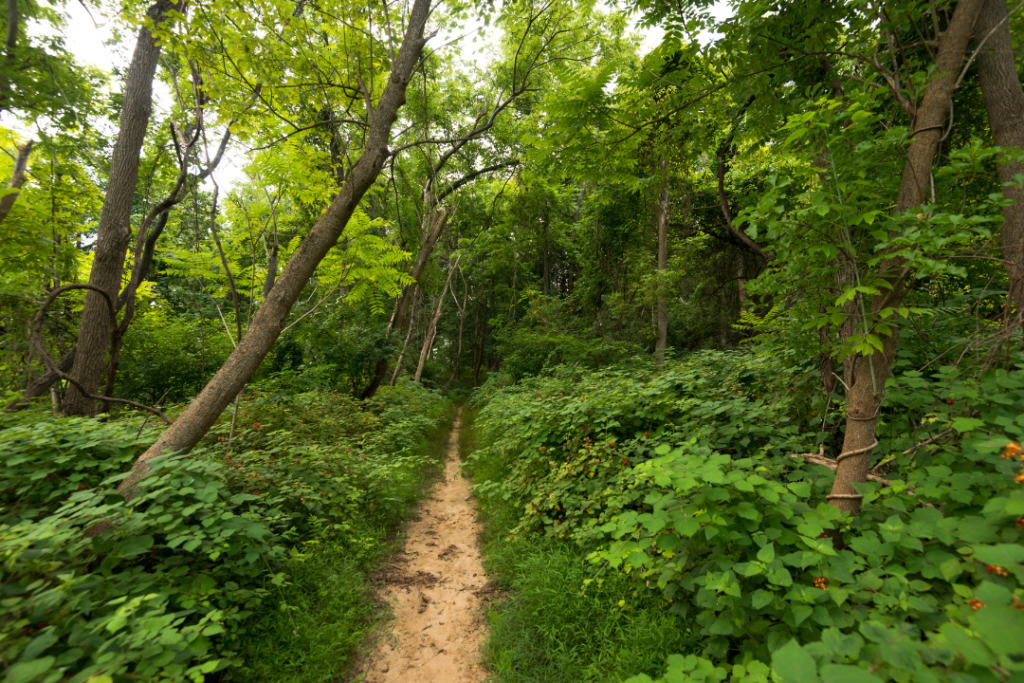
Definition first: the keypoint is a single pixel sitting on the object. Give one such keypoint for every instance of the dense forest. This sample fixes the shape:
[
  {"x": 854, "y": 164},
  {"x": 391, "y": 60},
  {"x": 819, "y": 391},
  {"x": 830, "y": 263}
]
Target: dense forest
[{"x": 727, "y": 300}]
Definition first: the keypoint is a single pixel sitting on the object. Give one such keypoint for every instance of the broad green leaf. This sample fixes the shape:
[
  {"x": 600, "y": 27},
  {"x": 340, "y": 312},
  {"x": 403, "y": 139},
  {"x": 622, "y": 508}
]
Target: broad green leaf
[{"x": 793, "y": 665}]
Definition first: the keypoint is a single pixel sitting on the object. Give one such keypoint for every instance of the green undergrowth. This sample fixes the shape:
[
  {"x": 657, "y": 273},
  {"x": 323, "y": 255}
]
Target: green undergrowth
[
  {"x": 634, "y": 498},
  {"x": 557, "y": 624},
  {"x": 247, "y": 560}
]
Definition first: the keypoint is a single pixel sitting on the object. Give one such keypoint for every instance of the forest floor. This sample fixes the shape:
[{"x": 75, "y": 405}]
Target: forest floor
[{"x": 438, "y": 589}]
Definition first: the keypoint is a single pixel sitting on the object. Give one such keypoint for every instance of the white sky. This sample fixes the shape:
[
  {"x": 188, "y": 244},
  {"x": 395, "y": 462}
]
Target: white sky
[{"x": 93, "y": 44}]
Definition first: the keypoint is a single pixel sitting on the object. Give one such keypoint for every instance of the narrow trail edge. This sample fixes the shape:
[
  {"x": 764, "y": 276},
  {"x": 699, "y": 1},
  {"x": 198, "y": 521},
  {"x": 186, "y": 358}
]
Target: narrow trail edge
[{"x": 437, "y": 584}]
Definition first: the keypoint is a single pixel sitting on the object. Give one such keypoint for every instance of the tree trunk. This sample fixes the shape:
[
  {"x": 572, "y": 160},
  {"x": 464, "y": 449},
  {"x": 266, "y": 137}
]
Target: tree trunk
[
  {"x": 547, "y": 261},
  {"x": 659, "y": 346},
  {"x": 405, "y": 345},
  {"x": 268, "y": 283},
  {"x": 867, "y": 389},
  {"x": 114, "y": 231},
  {"x": 479, "y": 345},
  {"x": 268, "y": 322},
  {"x": 462, "y": 326},
  {"x": 40, "y": 386},
  {"x": 428, "y": 337},
  {"x": 399, "y": 319},
  {"x": 1004, "y": 101},
  {"x": 17, "y": 179}
]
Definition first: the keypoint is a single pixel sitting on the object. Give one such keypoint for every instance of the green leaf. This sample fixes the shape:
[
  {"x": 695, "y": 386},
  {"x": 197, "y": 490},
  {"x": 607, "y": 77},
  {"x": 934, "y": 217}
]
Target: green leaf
[
  {"x": 1001, "y": 555},
  {"x": 760, "y": 598},
  {"x": 39, "y": 644},
  {"x": 801, "y": 613},
  {"x": 134, "y": 545},
  {"x": 844, "y": 673},
  {"x": 844, "y": 646},
  {"x": 966, "y": 424},
  {"x": 792, "y": 664},
  {"x": 800, "y": 488},
  {"x": 781, "y": 577},
  {"x": 687, "y": 526},
  {"x": 27, "y": 672},
  {"x": 950, "y": 569},
  {"x": 875, "y": 631},
  {"x": 1001, "y": 628},
  {"x": 964, "y": 644},
  {"x": 767, "y": 553},
  {"x": 993, "y": 595}
]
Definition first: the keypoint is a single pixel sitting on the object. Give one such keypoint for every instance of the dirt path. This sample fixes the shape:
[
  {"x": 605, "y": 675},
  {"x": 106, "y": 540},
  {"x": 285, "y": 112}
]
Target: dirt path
[{"x": 436, "y": 584}]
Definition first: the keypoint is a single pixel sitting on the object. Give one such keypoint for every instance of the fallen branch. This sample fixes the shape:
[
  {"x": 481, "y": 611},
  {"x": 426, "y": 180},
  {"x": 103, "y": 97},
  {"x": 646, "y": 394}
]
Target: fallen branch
[{"x": 820, "y": 458}]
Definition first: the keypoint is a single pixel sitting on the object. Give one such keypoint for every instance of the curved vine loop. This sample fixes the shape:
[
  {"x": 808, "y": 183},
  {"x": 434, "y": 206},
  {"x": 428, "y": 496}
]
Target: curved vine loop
[{"x": 37, "y": 340}]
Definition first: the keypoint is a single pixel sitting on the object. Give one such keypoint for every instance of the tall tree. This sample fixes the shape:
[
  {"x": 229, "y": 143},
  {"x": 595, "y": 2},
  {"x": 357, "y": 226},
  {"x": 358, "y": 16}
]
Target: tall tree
[
  {"x": 114, "y": 232},
  {"x": 270, "y": 319},
  {"x": 1004, "y": 101},
  {"x": 871, "y": 371}
]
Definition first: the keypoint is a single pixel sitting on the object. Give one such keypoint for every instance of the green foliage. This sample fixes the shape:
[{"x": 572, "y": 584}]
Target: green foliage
[
  {"x": 558, "y": 623},
  {"x": 531, "y": 351},
  {"x": 197, "y": 571},
  {"x": 680, "y": 478}
]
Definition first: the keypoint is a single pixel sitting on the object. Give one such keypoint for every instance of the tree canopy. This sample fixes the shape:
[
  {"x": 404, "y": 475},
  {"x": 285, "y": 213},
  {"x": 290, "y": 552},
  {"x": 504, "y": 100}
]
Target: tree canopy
[{"x": 785, "y": 238}]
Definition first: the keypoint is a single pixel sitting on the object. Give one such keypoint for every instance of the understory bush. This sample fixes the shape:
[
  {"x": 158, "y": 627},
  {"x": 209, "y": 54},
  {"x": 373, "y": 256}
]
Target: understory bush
[
  {"x": 251, "y": 549},
  {"x": 554, "y": 623},
  {"x": 678, "y": 482}
]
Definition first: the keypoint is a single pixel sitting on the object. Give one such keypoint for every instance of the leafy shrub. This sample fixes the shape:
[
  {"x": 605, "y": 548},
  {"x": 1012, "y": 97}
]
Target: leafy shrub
[
  {"x": 680, "y": 477},
  {"x": 527, "y": 352},
  {"x": 201, "y": 559}
]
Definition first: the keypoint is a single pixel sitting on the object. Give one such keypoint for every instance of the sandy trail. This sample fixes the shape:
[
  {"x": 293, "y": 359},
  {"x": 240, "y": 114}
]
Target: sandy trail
[{"x": 436, "y": 584}]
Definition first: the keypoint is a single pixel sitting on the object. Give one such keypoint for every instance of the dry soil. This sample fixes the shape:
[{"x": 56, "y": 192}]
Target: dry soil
[{"x": 438, "y": 588}]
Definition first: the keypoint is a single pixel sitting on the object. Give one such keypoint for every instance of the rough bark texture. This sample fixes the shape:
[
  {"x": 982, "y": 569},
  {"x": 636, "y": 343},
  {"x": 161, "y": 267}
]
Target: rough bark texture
[
  {"x": 114, "y": 231},
  {"x": 239, "y": 367},
  {"x": 17, "y": 179},
  {"x": 1004, "y": 101},
  {"x": 40, "y": 386},
  {"x": 659, "y": 346},
  {"x": 870, "y": 373}
]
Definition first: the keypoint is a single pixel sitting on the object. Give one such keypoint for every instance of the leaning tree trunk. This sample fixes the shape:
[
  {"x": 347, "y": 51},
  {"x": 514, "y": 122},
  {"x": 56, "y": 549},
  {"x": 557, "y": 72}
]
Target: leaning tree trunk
[
  {"x": 1004, "y": 100},
  {"x": 659, "y": 346},
  {"x": 405, "y": 344},
  {"x": 867, "y": 387},
  {"x": 400, "y": 318},
  {"x": 239, "y": 367},
  {"x": 428, "y": 337},
  {"x": 115, "y": 232}
]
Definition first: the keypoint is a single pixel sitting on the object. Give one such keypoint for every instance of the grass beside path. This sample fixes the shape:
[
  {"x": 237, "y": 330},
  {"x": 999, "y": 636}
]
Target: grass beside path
[
  {"x": 328, "y": 613},
  {"x": 555, "y": 626}
]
